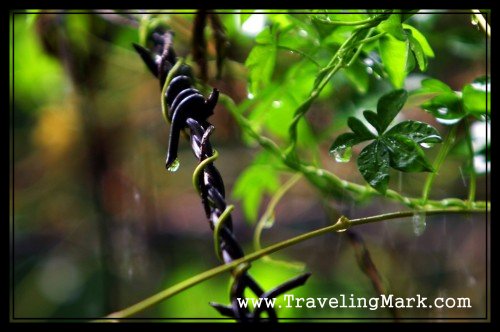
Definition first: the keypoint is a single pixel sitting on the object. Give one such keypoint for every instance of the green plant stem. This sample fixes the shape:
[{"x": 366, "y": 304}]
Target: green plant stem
[
  {"x": 443, "y": 152},
  {"x": 343, "y": 224},
  {"x": 201, "y": 166},
  {"x": 305, "y": 55},
  {"x": 306, "y": 104},
  {"x": 352, "y": 23},
  {"x": 170, "y": 76},
  {"x": 360, "y": 47},
  {"x": 338, "y": 61},
  {"x": 472, "y": 181},
  {"x": 331, "y": 181},
  {"x": 267, "y": 216},
  {"x": 370, "y": 39},
  {"x": 482, "y": 22},
  {"x": 269, "y": 212},
  {"x": 218, "y": 227}
]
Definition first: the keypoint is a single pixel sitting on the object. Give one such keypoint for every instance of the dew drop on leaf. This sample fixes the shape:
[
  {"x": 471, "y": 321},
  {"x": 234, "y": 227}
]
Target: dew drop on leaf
[
  {"x": 419, "y": 223},
  {"x": 342, "y": 154},
  {"x": 474, "y": 21},
  {"x": 174, "y": 166},
  {"x": 303, "y": 33},
  {"x": 427, "y": 145},
  {"x": 448, "y": 121},
  {"x": 442, "y": 110}
]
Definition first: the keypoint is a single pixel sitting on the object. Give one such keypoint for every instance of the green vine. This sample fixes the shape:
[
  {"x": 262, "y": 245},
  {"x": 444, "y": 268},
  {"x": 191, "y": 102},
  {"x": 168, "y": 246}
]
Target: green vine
[{"x": 341, "y": 225}]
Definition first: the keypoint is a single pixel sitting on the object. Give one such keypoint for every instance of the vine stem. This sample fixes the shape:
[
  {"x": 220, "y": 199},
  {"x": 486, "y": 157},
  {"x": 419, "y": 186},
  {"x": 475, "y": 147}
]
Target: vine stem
[
  {"x": 311, "y": 172},
  {"x": 303, "y": 54},
  {"x": 472, "y": 184},
  {"x": 341, "y": 225},
  {"x": 337, "y": 62},
  {"x": 443, "y": 152},
  {"x": 269, "y": 212},
  {"x": 269, "y": 215},
  {"x": 352, "y": 23},
  {"x": 482, "y": 22}
]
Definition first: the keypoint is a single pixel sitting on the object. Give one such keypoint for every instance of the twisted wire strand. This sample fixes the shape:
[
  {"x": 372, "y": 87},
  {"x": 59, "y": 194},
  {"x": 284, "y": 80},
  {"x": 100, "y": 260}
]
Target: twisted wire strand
[{"x": 187, "y": 108}]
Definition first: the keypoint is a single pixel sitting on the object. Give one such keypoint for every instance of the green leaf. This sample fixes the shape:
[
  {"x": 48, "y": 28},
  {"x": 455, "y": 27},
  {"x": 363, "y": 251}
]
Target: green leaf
[
  {"x": 476, "y": 96},
  {"x": 274, "y": 110},
  {"x": 388, "y": 107},
  {"x": 394, "y": 54},
  {"x": 426, "y": 47},
  {"x": 267, "y": 36},
  {"x": 393, "y": 26},
  {"x": 359, "y": 129},
  {"x": 244, "y": 18},
  {"x": 345, "y": 140},
  {"x": 406, "y": 155},
  {"x": 260, "y": 64},
  {"x": 357, "y": 74},
  {"x": 417, "y": 131},
  {"x": 432, "y": 85},
  {"x": 373, "y": 164},
  {"x": 255, "y": 181},
  {"x": 261, "y": 61},
  {"x": 410, "y": 63},
  {"x": 446, "y": 108},
  {"x": 418, "y": 52},
  {"x": 430, "y": 89},
  {"x": 335, "y": 33},
  {"x": 408, "y": 13},
  {"x": 372, "y": 119}
]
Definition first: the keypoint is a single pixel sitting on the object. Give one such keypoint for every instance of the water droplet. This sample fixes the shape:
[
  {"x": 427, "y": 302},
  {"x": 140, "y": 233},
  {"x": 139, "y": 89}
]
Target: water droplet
[
  {"x": 269, "y": 222},
  {"x": 427, "y": 145},
  {"x": 277, "y": 103},
  {"x": 174, "y": 166},
  {"x": 419, "y": 223},
  {"x": 448, "y": 121},
  {"x": 442, "y": 110},
  {"x": 250, "y": 95},
  {"x": 342, "y": 154},
  {"x": 368, "y": 62},
  {"x": 369, "y": 70},
  {"x": 344, "y": 223},
  {"x": 480, "y": 86},
  {"x": 303, "y": 33},
  {"x": 474, "y": 20}
]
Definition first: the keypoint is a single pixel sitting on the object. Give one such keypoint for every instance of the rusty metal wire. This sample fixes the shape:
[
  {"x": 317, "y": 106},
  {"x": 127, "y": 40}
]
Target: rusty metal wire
[{"x": 187, "y": 108}]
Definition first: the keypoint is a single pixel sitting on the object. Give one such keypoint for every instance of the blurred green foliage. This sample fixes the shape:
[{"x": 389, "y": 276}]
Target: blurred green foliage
[{"x": 158, "y": 234}]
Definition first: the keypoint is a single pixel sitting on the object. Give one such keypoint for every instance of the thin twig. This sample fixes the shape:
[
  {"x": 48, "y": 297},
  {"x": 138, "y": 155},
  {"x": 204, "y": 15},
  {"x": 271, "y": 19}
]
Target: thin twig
[
  {"x": 482, "y": 22},
  {"x": 188, "y": 283}
]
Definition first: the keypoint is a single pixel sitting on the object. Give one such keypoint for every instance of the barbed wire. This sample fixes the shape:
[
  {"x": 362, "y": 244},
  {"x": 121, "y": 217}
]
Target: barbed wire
[{"x": 188, "y": 108}]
